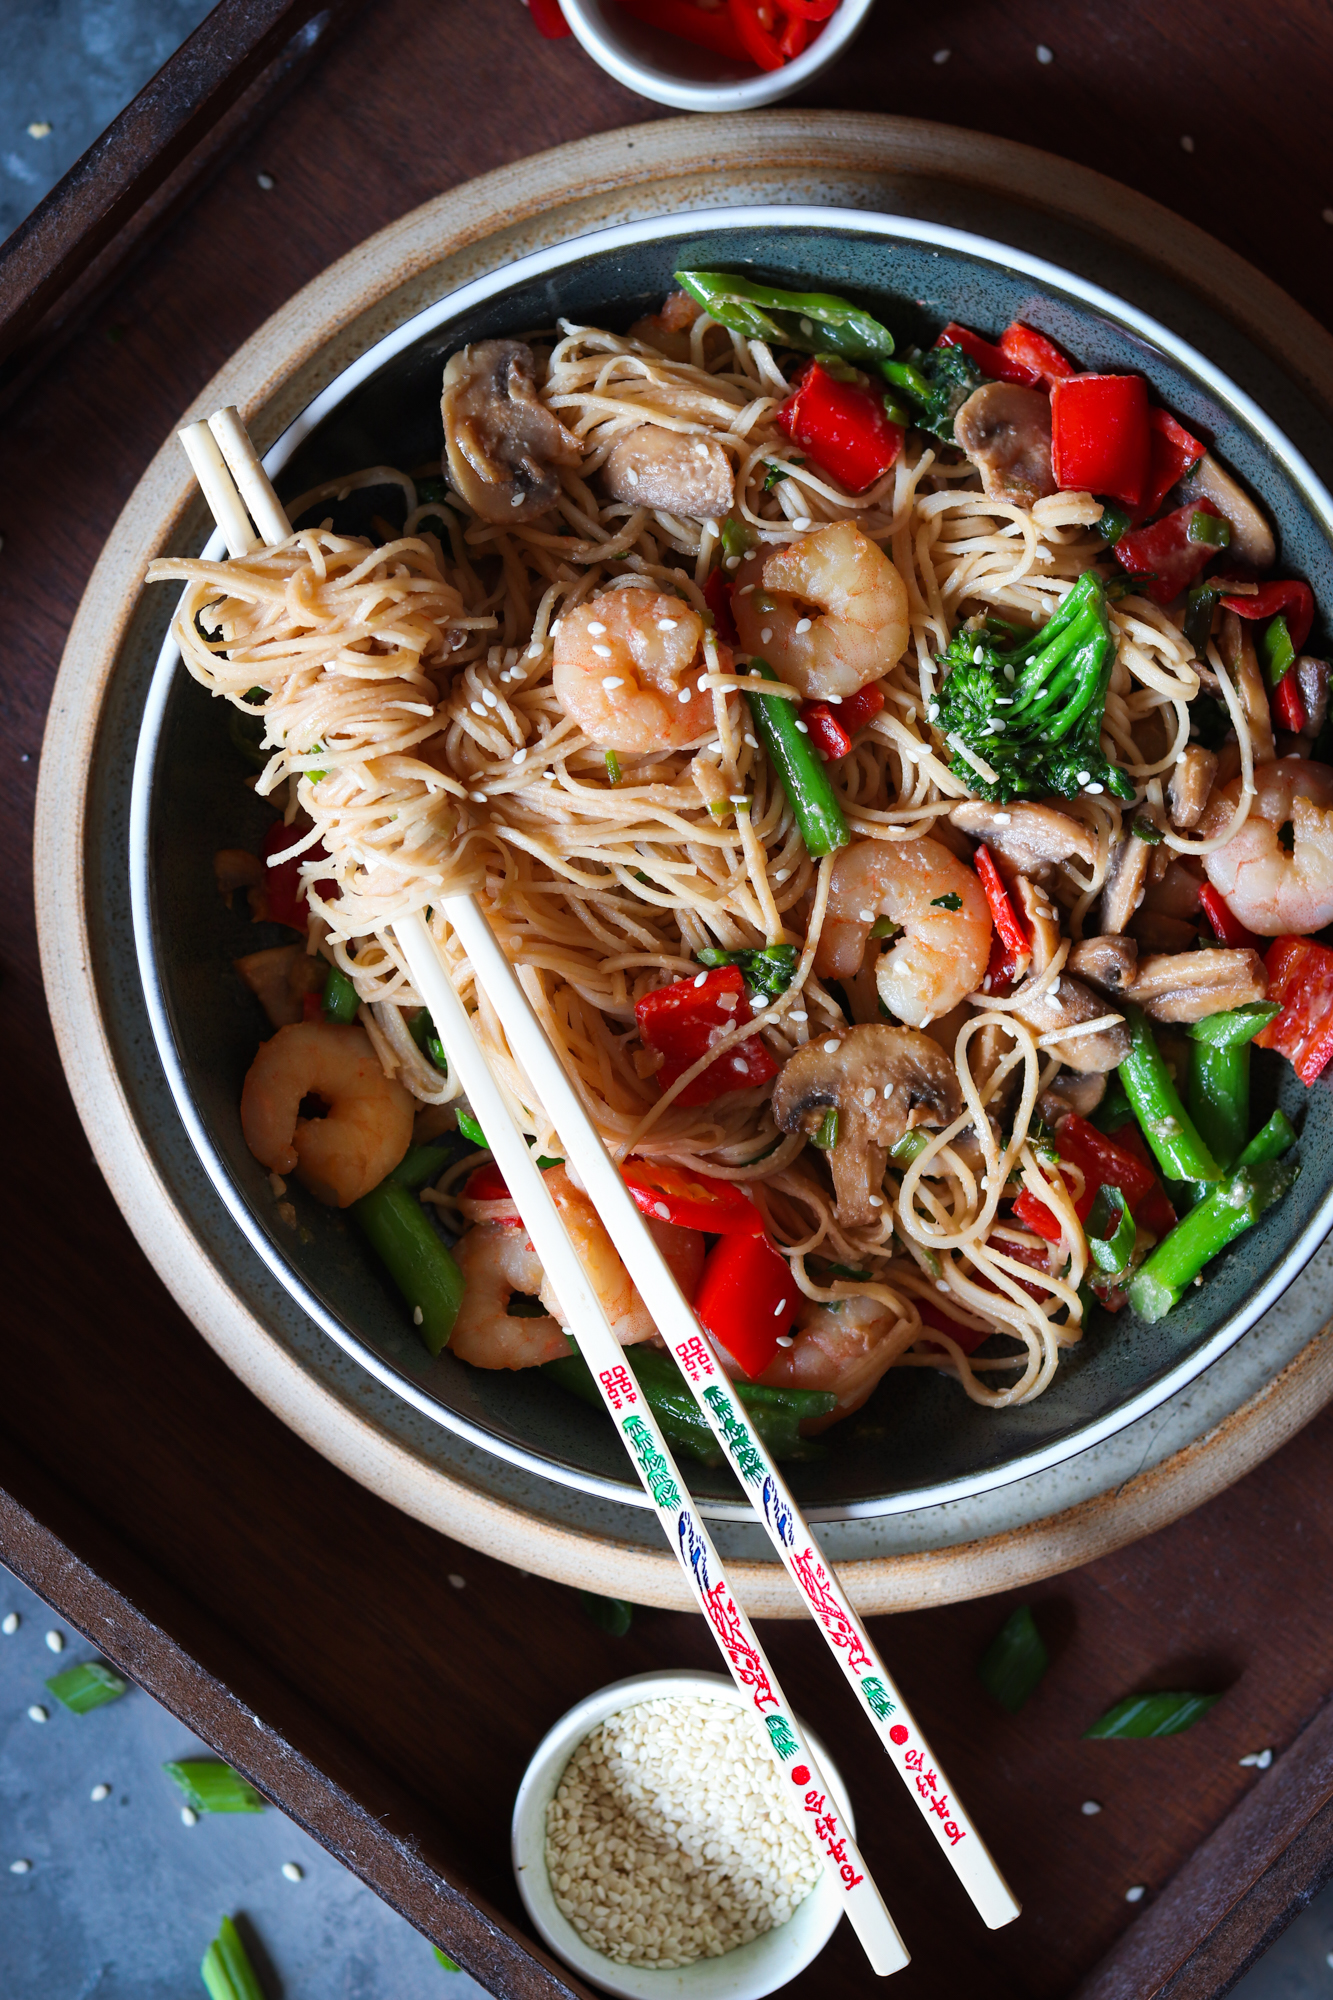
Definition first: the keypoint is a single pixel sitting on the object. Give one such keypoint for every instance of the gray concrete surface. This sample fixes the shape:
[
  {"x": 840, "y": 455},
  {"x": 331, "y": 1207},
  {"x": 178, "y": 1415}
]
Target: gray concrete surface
[{"x": 120, "y": 1899}]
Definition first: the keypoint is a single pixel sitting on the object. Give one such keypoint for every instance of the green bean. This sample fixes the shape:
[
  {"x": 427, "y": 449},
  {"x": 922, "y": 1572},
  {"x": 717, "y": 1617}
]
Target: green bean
[
  {"x": 1167, "y": 1126},
  {"x": 807, "y": 321},
  {"x": 1235, "y": 1028},
  {"x": 421, "y": 1164},
  {"x": 1229, "y": 1209},
  {"x": 339, "y": 1000},
  {"x": 775, "y": 1413},
  {"x": 1270, "y": 1142},
  {"x": 803, "y": 776},
  {"x": 400, "y": 1231},
  {"x": 1219, "y": 1081}
]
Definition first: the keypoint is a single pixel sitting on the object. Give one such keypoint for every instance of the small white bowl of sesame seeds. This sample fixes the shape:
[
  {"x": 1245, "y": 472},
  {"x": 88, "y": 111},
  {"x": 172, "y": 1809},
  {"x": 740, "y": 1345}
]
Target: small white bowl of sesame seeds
[
  {"x": 670, "y": 70},
  {"x": 653, "y": 1850}
]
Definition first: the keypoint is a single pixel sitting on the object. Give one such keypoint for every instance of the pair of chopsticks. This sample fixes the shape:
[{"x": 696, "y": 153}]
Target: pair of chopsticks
[{"x": 221, "y": 452}]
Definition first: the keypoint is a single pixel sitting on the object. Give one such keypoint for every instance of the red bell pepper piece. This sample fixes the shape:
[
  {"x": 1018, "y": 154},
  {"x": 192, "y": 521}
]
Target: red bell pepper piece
[
  {"x": 282, "y": 885},
  {"x": 1287, "y": 704},
  {"x": 1173, "y": 451},
  {"x": 759, "y": 42},
  {"x": 1290, "y": 599},
  {"x": 1100, "y": 436},
  {"x": 1117, "y": 1162},
  {"x": 714, "y": 31},
  {"x": 991, "y": 360},
  {"x": 1011, "y": 951},
  {"x": 692, "y": 1201},
  {"x": 809, "y": 10},
  {"x": 832, "y": 729},
  {"x": 968, "y": 1338},
  {"x": 794, "y": 36},
  {"x": 844, "y": 428},
  {"x": 717, "y": 596},
  {"x": 1227, "y": 929},
  {"x": 1030, "y": 352},
  {"x": 682, "y": 1022},
  {"x": 1300, "y": 979},
  {"x": 1163, "y": 553},
  {"x": 1035, "y": 1215},
  {"x": 486, "y": 1184},
  {"x": 548, "y": 19},
  {"x": 746, "y": 1298}
]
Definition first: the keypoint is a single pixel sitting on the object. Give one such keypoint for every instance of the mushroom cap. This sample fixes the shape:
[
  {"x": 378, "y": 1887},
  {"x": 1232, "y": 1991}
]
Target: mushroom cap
[
  {"x": 1006, "y": 432},
  {"x": 501, "y": 443},
  {"x": 682, "y": 474}
]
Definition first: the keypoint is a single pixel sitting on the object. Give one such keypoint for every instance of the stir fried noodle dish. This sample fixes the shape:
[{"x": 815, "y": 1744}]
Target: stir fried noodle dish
[{"x": 903, "y": 789}]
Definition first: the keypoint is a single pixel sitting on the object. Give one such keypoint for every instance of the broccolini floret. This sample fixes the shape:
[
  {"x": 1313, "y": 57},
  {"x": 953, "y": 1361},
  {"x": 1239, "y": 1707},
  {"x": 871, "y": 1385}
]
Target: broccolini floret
[
  {"x": 1029, "y": 705},
  {"x": 937, "y": 383}
]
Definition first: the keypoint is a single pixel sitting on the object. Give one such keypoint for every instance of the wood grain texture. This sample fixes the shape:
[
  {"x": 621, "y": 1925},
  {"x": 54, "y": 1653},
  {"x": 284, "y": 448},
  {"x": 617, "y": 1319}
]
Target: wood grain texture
[{"x": 275, "y": 1570}]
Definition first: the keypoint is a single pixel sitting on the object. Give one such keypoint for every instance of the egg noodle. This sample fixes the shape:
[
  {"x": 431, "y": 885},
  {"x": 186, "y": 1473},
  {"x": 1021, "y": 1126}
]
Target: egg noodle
[{"x": 408, "y": 699}]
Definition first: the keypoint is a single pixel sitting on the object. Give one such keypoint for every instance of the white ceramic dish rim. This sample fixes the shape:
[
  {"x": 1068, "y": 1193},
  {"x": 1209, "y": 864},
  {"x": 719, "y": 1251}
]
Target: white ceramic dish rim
[
  {"x": 1316, "y": 497},
  {"x": 646, "y": 79},
  {"x": 708, "y": 1978}
]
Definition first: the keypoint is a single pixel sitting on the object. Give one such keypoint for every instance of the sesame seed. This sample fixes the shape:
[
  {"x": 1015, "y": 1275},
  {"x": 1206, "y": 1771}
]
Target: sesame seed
[
  {"x": 610, "y": 681},
  {"x": 701, "y": 450},
  {"x": 602, "y": 652},
  {"x": 417, "y": 1316},
  {"x": 752, "y": 741},
  {"x": 1186, "y": 143},
  {"x": 802, "y": 522},
  {"x": 519, "y": 757},
  {"x": 807, "y": 327},
  {"x": 1094, "y": 788},
  {"x": 1045, "y": 55},
  {"x": 701, "y": 979},
  {"x": 732, "y": 562},
  {"x": 940, "y": 1285},
  {"x": 534, "y": 651},
  {"x": 782, "y": 875},
  {"x": 794, "y": 1016},
  {"x": 55, "y": 1642},
  {"x": 786, "y": 1340},
  {"x": 1002, "y": 819},
  {"x": 189, "y": 1817},
  {"x": 293, "y": 1871},
  {"x": 666, "y": 624},
  {"x": 1136, "y": 1894},
  {"x": 457, "y": 1582},
  {"x": 932, "y": 710},
  {"x": 1259, "y": 1760},
  {"x": 38, "y": 1714},
  {"x": 477, "y": 798},
  {"x": 597, "y": 626},
  {"x": 1089, "y": 1806},
  {"x": 866, "y": 916},
  {"x": 516, "y": 499},
  {"x": 490, "y": 697},
  {"x": 266, "y": 182},
  {"x": 10, "y": 1623},
  {"x": 803, "y": 624},
  {"x": 888, "y": 1090},
  {"x": 875, "y": 1200},
  {"x": 633, "y": 477},
  {"x": 661, "y": 1211},
  {"x": 98, "y": 1793},
  {"x": 777, "y": 1310},
  {"x": 766, "y": 634},
  {"x": 684, "y": 695},
  {"x": 40, "y": 128},
  {"x": 477, "y": 707},
  {"x": 804, "y": 729},
  {"x": 941, "y": 55},
  {"x": 20, "y": 1867},
  {"x": 831, "y": 1048}
]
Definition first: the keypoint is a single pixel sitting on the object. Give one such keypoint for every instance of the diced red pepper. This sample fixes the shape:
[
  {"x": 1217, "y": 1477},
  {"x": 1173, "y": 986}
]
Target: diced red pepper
[
  {"x": 548, "y": 19},
  {"x": 1290, "y": 599},
  {"x": 1035, "y": 1215},
  {"x": 794, "y": 36},
  {"x": 1039, "y": 359},
  {"x": 1163, "y": 553},
  {"x": 682, "y": 1022},
  {"x": 1300, "y": 979},
  {"x": 717, "y": 596},
  {"x": 809, "y": 10},
  {"x": 1011, "y": 953},
  {"x": 692, "y": 1201},
  {"x": 1227, "y": 929},
  {"x": 746, "y": 1298},
  {"x": 1100, "y": 436},
  {"x": 832, "y": 729},
  {"x": 968, "y": 1338},
  {"x": 708, "y": 30},
  {"x": 759, "y": 42},
  {"x": 486, "y": 1184},
  {"x": 282, "y": 885},
  {"x": 842, "y": 427},
  {"x": 1115, "y": 1162},
  {"x": 1172, "y": 452},
  {"x": 990, "y": 360},
  {"x": 1022, "y": 1253},
  {"x": 1154, "y": 1212},
  {"x": 1287, "y": 704}
]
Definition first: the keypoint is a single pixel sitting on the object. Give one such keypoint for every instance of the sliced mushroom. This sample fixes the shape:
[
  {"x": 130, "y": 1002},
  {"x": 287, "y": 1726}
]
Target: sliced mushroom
[
  {"x": 501, "y": 443},
  {"x": 236, "y": 868},
  {"x": 1031, "y": 838},
  {"x": 655, "y": 467},
  {"x": 1174, "y": 889},
  {"x": 881, "y": 1081},
  {"x": 280, "y": 978},
  {"x": 1312, "y": 681},
  {"x": 1251, "y": 537},
  {"x": 1126, "y": 879},
  {"x": 1072, "y": 1093},
  {"x": 1236, "y": 645},
  {"x": 1068, "y": 1003},
  {"x": 1187, "y": 985},
  {"x": 1191, "y": 782},
  {"x": 1154, "y": 930},
  {"x": 1006, "y": 432},
  {"x": 1108, "y": 963}
]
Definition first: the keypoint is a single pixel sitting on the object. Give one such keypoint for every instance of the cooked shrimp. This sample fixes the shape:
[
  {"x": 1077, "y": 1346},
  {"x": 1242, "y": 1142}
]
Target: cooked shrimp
[
  {"x": 828, "y": 612},
  {"x": 498, "y": 1262},
  {"x": 368, "y": 1125},
  {"x": 627, "y": 670},
  {"x": 1268, "y": 887},
  {"x": 845, "y": 1347},
  {"x": 941, "y": 909}
]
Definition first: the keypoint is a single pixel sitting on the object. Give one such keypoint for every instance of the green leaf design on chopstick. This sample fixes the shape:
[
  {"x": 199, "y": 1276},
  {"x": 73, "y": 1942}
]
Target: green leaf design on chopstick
[
  {"x": 1015, "y": 1660},
  {"x": 446, "y": 1961},
  {"x": 610, "y": 1614},
  {"x": 1153, "y": 1715},
  {"x": 227, "y": 1972},
  {"x": 90, "y": 1685},
  {"x": 213, "y": 1787}
]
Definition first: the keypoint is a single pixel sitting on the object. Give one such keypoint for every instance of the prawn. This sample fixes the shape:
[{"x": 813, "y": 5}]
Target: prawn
[
  {"x": 491, "y": 1335},
  {"x": 941, "y": 909},
  {"x": 368, "y": 1125},
  {"x": 828, "y": 612},
  {"x": 843, "y": 1347},
  {"x": 1268, "y": 887},
  {"x": 627, "y": 669}
]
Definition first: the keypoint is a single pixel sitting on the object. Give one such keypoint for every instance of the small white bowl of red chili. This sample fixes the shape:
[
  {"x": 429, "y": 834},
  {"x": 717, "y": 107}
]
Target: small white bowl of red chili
[{"x": 709, "y": 55}]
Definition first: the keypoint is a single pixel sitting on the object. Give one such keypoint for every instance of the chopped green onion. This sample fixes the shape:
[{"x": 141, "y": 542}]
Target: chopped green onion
[
  {"x": 897, "y": 413},
  {"x": 1110, "y": 1231},
  {"x": 884, "y": 927},
  {"x": 609, "y": 1614},
  {"x": 846, "y": 1271},
  {"x": 340, "y": 1001},
  {"x": 1117, "y": 587},
  {"x": 1143, "y": 829},
  {"x": 1114, "y": 523},
  {"x": 226, "y": 1969},
  {"x": 910, "y": 1147},
  {"x": 826, "y": 1138},
  {"x": 1276, "y": 650},
  {"x": 446, "y": 1961},
  {"x": 544, "y": 1161},
  {"x": 737, "y": 537},
  {"x": 777, "y": 470},
  {"x": 213, "y": 1787},
  {"x": 422, "y": 1030},
  {"x": 612, "y": 768},
  {"x": 431, "y": 490},
  {"x": 470, "y": 1129},
  {"x": 951, "y": 901},
  {"x": 1015, "y": 1660},
  {"x": 90, "y": 1685},
  {"x": 1209, "y": 528},
  {"x": 1152, "y": 1715},
  {"x": 1200, "y": 604}
]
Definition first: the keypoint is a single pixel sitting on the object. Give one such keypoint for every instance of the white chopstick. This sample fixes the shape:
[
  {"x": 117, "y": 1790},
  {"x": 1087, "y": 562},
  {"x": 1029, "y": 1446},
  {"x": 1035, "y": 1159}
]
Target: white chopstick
[{"x": 638, "y": 1427}]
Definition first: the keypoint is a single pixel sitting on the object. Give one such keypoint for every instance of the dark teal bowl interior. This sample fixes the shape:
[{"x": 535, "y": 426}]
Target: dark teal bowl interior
[{"x": 919, "y": 1430}]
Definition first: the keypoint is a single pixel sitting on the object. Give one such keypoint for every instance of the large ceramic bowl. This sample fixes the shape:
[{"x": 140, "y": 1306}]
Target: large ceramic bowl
[{"x": 919, "y": 1440}]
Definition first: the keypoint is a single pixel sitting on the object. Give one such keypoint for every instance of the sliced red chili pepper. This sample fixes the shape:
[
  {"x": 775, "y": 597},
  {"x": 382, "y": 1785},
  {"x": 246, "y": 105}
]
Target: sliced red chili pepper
[
  {"x": 1039, "y": 359},
  {"x": 1003, "y": 914},
  {"x": 747, "y": 1297},
  {"x": 1227, "y": 929},
  {"x": 792, "y": 41},
  {"x": 717, "y": 596},
  {"x": 1100, "y": 436},
  {"x": 1300, "y": 979},
  {"x": 548, "y": 19},
  {"x": 1172, "y": 451},
  {"x": 692, "y": 1201},
  {"x": 715, "y": 30},
  {"x": 990, "y": 360},
  {"x": 842, "y": 427},
  {"x": 825, "y": 729},
  {"x": 1287, "y": 704},
  {"x": 1164, "y": 555},
  {"x": 1290, "y": 599},
  {"x": 809, "y": 10},
  {"x": 759, "y": 42},
  {"x": 857, "y": 709},
  {"x": 683, "y": 1021}
]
